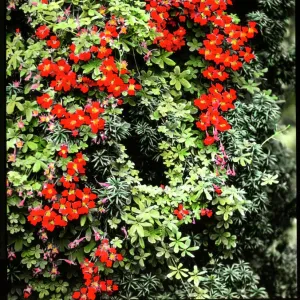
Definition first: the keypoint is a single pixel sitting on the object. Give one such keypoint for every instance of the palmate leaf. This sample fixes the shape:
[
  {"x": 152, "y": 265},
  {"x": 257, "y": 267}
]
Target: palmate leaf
[{"x": 93, "y": 64}]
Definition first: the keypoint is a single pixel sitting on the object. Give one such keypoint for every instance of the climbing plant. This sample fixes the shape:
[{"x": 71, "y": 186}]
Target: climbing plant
[{"x": 141, "y": 159}]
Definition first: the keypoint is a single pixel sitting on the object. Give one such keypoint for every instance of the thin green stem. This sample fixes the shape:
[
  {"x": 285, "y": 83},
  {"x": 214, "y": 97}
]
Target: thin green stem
[{"x": 276, "y": 133}]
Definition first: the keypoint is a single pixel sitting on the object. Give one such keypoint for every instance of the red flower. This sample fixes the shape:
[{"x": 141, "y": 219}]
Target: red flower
[
  {"x": 60, "y": 221},
  {"x": 49, "y": 219},
  {"x": 85, "y": 56},
  {"x": 108, "y": 286},
  {"x": 74, "y": 57},
  {"x": 252, "y": 30},
  {"x": 53, "y": 42},
  {"x": 46, "y": 68},
  {"x": 63, "y": 206},
  {"x": 103, "y": 51},
  {"x": 64, "y": 81},
  {"x": 107, "y": 254},
  {"x": 74, "y": 133},
  {"x": 85, "y": 293},
  {"x": 203, "y": 212},
  {"x": 97, "y": 124},
  {"x": 203, "y": 102},
  {"x": 85, "y": 195},
  {"x": 235, "y": 63},
  {"x": 206, "y": 212},
  {"x": 72, "y": 47},
  {"x": 209, "y": 212},
  {"x": 248, "y": 56},
  {"x": 180, "y": 212},
  {"x": 209, "y": 140},
  {"x": 42, "y": 32},
  {"x": 108, "y": 65},
  {"x": 94, "y": 110},
  {"x": 62, "y": 66},
  {"x": 35, "y": 216},
  {"x": 49, "y": 191},
  {"x": 44, "y": 101},
  {"x": 63, "y": 151},
  {"x": 116, "y": 87},
  {"x": 218, "y": 191},
  {"x": 222, "y": 124},
  {"x": 132, "y": 87},
  {"x": 58, "y": 110},
  {"x": 75, "y": 168}
]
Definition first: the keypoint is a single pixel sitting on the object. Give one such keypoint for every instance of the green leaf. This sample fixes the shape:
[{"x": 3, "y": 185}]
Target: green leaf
[
  {"x": 82, "y": 220},
  {"x": 36, "y": 166},
  {"x": 33, "y": 146},
  {"x": 10, "y": 108},
  {"x": 19, "y": 106},
  {"x": 93, "y": 64},
  {"x": 140, "y": 230},
  {"x": 185, "y": 83},
  {"x": 28, "y": 113},
  {"x": 88, "y": 248},
  {"x": 169, "y": 61},
  {"x": 18, "y": 245},
  {"x": 88, "y": 234},
  {"x": 178, "y": 85}
]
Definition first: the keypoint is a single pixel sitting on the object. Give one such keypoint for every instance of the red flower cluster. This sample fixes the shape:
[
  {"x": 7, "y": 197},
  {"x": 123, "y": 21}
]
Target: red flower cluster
[
  {"x": 75, "y": 120},
  {"x": 111, "y": 82},
  {"x": 73, "y": 202},
  {"x": 180, "y": 212},
  {"x": 200, "y": 11},
  {"x": 107, "y": 254},
  {"x": 68, "y": 200},
  {"x": 225, "y": 34},
  {"x": 93, "y": 284},
  {"x": 217, "y": 99}
]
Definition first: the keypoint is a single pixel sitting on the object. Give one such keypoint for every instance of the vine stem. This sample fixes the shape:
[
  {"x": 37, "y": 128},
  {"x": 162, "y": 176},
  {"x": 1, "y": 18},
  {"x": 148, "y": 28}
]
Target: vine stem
[
  {"x": 136, "y": 64},
  {"x": 276, "y": 133}
]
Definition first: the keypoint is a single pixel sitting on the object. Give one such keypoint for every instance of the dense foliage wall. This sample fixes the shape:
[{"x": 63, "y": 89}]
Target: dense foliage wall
[{"x": 141, "y": 158}]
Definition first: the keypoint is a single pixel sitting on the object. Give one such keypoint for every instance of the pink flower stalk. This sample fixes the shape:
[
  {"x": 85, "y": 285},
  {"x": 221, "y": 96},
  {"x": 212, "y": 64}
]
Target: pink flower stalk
[
  {"x": 28, "y": 76},
  {"x": 125, "y": 232},
  {"x": 147, "y": 56},
  {"x": 228, "y": 171},
  {"x": 16, "y": 83},
  {"x": 144, "y": 44},
  {"x": 36, "y": 271},
  {"x": 20, "y": 124},
  {"x": 97, "y": 235},
  {"x": 75, "y": 243},
  {"x": 35, "y": 86},
  {"x": 104, "y": 200},
  {"x": 11, "y": 255},
  {"x": 233, "y": 171},
  {"x": 21, "y": 203},
  {"x": 215, "y": 133},
  {"x": 70, "y": 262}
]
